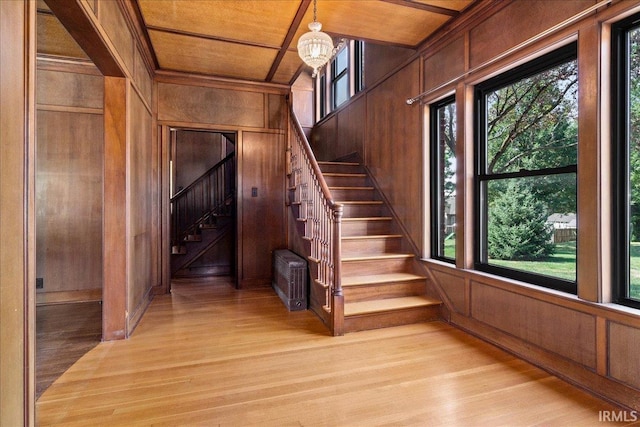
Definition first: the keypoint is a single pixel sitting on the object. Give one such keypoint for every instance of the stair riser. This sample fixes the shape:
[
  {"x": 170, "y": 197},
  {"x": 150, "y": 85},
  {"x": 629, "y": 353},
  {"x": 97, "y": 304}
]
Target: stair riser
[
  {"x": 340, "y": 168},
  {"x": 346, "y": 181},
  {"x": 370, "y": 246},
  {"x": 383, "y": 290},
  {"x": 357, "y": 211},
  {"x": 353, "y": 194},
  {"x": 391, "y": 318},
  {"x": 376, "y": 266},
  {"x": 365, "y": 227}
]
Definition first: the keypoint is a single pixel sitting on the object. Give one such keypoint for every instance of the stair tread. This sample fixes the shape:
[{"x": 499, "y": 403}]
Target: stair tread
[
  {"x": 357, "y": 174},
  {"x": 368, "y": 218},
  {"x": 352, "y": 187},
  {"x": 372, "y": 236},
  {"x": 389, "y": 304},
  {"x": 376, "y": 256},
  {"x": 380, "y": 278},
  {"x": 361, "y": 202},
  {"x": 324, "y": 162}
]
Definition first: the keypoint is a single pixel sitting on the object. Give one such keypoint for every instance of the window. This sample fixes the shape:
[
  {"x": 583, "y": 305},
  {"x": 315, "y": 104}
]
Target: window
[
  {"x": 341, "y": 78},
  {"x": 626, "y": 157},
  {"x": 443, "y": 179},
  {"x": 526, "y": 141}
]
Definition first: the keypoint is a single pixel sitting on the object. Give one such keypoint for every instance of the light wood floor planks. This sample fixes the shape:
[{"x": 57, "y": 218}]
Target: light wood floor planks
[{"x": 209, "y": 355}]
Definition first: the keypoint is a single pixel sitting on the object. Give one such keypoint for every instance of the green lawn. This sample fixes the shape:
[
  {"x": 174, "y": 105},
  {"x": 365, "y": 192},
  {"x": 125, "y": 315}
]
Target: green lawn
[{"x": 562, "y": 264}]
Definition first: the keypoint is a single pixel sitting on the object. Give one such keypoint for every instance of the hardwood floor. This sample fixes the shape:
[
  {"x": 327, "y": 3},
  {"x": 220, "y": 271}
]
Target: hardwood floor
[
  {"x": 64, "y": 333},
  {"x": 211, "y": 355}
]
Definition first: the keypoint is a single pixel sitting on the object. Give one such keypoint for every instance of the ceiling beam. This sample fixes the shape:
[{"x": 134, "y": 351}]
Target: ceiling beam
[
  {"x": 295, "y": 24},
  {"x": 426, "y": 7},
  {"x": 73, "y": 17}
]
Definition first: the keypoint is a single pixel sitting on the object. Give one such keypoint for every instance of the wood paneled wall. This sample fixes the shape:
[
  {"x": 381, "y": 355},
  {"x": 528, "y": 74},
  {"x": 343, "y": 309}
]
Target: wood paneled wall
[
  {"x": 132, "y": 178},
  {"x": 17, "y": 215},
  {"x": 194, "y": 154},
  {"x": 257, "y": 113},
  {"x": 69, "y": 179},
  {"x": 581, "y": 338}
]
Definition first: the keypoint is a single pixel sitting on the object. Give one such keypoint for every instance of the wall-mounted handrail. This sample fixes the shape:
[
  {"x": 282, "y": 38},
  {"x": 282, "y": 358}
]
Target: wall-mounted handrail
[
  {"x": 323, "y": 221},
  {"x": 209, "y": 196}
]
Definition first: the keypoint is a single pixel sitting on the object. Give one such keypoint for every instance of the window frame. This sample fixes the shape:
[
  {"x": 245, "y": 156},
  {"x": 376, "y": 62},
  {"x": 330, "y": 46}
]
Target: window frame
[
  {"x": 338, "y": 76},
  {"x": 620, "y": 168},
  {"x": 482, "y": 178},
  {"x": 436, "y": 182},
  {"x": 327, "y": 78}
]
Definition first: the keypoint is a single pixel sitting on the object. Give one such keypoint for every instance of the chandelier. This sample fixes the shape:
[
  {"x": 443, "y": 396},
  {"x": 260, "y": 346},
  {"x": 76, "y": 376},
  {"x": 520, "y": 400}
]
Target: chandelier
[{"x": 315, "y": 47}]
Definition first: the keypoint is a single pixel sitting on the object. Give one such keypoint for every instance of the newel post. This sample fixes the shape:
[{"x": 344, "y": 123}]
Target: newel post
[{"x": 337, "y": 303}]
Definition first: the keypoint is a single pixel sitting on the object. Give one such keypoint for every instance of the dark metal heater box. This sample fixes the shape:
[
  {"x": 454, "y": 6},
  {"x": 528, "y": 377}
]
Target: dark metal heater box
[{"x": 290, "y": 279}]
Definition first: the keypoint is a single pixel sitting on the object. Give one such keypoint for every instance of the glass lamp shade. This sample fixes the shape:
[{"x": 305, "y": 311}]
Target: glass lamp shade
[{"x": 315, "y": 47}]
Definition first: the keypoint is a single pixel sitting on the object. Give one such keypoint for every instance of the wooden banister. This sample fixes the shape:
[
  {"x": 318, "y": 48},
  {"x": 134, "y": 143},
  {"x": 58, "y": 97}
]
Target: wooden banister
[
  {"x": 198, "y": 204},
  {"x": 323, "y": 219}
]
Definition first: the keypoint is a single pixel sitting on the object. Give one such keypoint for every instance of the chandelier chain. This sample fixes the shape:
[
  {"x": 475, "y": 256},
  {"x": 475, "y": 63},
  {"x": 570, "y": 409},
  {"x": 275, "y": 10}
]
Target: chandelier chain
[{"x": 315, "y": 10}]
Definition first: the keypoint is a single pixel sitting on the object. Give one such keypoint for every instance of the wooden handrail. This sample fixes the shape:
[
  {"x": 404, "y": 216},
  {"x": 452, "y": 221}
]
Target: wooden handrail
[
  {"x": 202, "y": 177},
  {"x": 313, "y": 163},
  {"x": 323, "y": 221},
  {"x": 201, "y": 202}
]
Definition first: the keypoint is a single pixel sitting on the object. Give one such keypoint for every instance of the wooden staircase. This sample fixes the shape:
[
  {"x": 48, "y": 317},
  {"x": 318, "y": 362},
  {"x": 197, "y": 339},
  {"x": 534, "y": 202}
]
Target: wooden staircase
[
  {"x": 380, "y": 278},
  {"x": 193, "y": 246}
]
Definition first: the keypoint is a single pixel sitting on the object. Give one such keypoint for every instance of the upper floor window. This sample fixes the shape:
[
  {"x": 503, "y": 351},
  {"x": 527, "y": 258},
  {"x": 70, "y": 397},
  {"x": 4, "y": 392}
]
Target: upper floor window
[
  {"x": 626, "y": 160},
  {"x": 443, "y": 179},
  {"x": 340, "y": 79},
  {"x": 526, "y": 182}
]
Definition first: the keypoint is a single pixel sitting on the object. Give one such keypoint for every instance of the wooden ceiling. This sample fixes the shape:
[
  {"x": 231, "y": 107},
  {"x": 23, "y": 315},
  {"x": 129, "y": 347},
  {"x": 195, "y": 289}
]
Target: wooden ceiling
[{"x": 255, "y": 40}]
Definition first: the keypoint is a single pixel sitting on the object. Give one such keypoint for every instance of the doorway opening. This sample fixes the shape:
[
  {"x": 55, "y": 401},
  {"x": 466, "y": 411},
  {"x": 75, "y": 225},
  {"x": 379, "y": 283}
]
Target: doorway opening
[{"x": 203, "y": 203}]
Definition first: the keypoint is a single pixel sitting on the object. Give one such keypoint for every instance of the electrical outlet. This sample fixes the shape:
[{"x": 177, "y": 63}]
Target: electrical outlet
[{"x": 39, "y": 283}]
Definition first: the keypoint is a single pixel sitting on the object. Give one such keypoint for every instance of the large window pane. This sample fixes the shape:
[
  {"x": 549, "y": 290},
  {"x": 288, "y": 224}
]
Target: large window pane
[
  {"x": 341, "y": 90},
  {"x": 633, "y": 126},
  {"x": 533, "y": 123},
  {"x": 526, "y": 172},
  {"x": 531, "y": 225},
  {"x": 443, "y": 180}
]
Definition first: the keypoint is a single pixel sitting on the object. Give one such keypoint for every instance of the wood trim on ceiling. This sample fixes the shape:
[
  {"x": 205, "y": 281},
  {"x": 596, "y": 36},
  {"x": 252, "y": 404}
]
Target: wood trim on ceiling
[
  {"x": 132, "y": 9},
  {"x": 73, "y": 17},
  {"x": 426, "y": 7},
  {"x": 304, "y": 6}
]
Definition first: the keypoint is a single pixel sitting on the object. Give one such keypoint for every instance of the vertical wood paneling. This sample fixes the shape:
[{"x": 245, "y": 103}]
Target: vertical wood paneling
[
  {"x": 17, "y": 216},
  {"x": 69, "y": 200},
  {"x": 445, "y": 64},
  {"x": 381, "y": 60},
  {"x": 197, "y": 104},
  {"x": 567, "y": 332},
  {"x": 492, "y": 37},
  {"x": 324, "y": 139},
  {"x": 196, "y": 153},
  {"x": 589, "y": 183},
  {"x": 276, "y": 110},
  {"x": 350, "y": 132},
  {"x": 263, "y": 216},
  {"x": 115, "y": 26},
  {"x": 394, "y": 146},
  {"x": 69, "y": 89},
  {"x": 115, "y": 210},
  {"x": 624, "y": 353},
  {"x": 142, "y": 209}
]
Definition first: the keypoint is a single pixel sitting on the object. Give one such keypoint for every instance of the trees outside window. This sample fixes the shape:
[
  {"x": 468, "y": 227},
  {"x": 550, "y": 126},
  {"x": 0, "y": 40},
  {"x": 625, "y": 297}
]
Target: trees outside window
[
  {"x": 526, "y": 141},
  {"x": 443, "y": 179}
]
